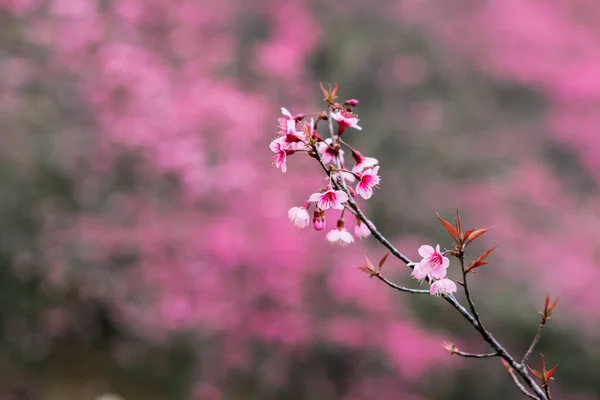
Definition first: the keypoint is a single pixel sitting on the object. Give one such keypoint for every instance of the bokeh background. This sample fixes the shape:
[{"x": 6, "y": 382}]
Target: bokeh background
[{"x": 145, "y": 251}]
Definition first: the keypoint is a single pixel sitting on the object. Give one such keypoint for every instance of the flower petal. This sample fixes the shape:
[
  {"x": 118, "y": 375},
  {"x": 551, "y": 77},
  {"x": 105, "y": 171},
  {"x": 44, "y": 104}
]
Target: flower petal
[{"x": 426, "y": 251}]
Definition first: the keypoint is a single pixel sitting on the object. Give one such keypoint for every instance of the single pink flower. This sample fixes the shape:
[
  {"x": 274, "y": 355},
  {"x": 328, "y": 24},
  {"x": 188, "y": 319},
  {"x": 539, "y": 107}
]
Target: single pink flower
[
  {"x": 287, "y": 123},
  {"x": 329, "y": 199},
  {"x": 345, "y": 119},
  {"x": 361, "y": 230},
  {"x": 433, "y": 265},
  {"x": 339, "y": 235},
  {"x": 362, "y": 162},
  {"x": 299, "y": 216},
  {"x": 442, "y": 286},
  {"x": 368, "y": 180},
  {"x": 279, "y": 147},
  {"x": 327, "y": 153}
]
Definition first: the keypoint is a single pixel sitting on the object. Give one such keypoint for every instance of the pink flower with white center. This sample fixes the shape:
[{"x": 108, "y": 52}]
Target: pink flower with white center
[
  {"x": 442, "y": 286},
  {"x": 319, "y": 220},
  {"x": 368, "y": 180},
  {"x": 279, "y": 147},
  {"x": 361, "y": 230},
  {"x": 299, "y": 216},
  {"x": 362, "y": 162},
  {"x": 345, "y": 119},
  {"x": 433, "y": 265},
  {"x": 327, "y": 153},
  {"x": 339, "y": 235},
  {"x": 329, "y": 199}
]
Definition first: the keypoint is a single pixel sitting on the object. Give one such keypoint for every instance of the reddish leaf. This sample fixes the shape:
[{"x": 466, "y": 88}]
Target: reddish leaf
[
  {"x": 475, "y": 234},
  {"x": 324, "y": 91},
  {"x": 451, "y": 230},
  {"x": 467, "y": 233},
  {"x": 550, "y": 373},
  {"x": 487, "y": 253},
  {"x": 382, "y": 261},
  {"x": 476, "y": 264},
  {"x": 537, "y": 373},
  {"x": 458, "y": 224}
]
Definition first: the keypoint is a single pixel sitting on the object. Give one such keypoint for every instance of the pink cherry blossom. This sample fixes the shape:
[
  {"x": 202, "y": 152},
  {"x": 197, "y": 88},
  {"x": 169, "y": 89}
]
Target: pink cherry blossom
[
  {"x": 433, "y": 265},
  {"x": 329, "y": 199},
  {"x": 279, "y": 148},
  {"x": 345, "y": 119},
  {"x": 339, "y": 236},
  {"x": 442, "y": 286},
  {"x": 362, "y": 162},
  {"x": 299, "y": 216},
  {"x": 327, "y": 153},
  {"x": 368, "y": 180},
  {"x": 287, "y": 123},
  {"x": 361, "y": 230}
]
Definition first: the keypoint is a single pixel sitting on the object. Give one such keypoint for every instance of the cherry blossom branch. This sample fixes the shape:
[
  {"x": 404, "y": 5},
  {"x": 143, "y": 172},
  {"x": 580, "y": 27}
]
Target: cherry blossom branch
[
  {"x": 433, "y": 267},
  {"x": 339, "y": 182}
]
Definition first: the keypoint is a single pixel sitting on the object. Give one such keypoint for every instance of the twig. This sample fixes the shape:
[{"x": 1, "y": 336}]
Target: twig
[
  {"x": 547, "y": 391},
  {"x": 535, "y": 341},
  {"x": 401, "y": 288},
  {"x": 474, "y": 355},
  {"x": 468, "y": 295}
]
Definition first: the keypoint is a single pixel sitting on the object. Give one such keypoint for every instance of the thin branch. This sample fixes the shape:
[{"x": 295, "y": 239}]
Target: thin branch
[
  {"x": 518, "y": 383},
  {"x": 535, "y": 341},
  {"x": 547, "y": 391},
  {"x": 401, "y": 288},
  {"x": 475, "y": 355},
  {"x": 465, "y": 286}
]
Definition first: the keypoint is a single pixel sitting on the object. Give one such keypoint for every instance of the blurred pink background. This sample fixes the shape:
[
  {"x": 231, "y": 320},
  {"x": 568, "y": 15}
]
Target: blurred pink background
[{"x": 145, "y": 251}]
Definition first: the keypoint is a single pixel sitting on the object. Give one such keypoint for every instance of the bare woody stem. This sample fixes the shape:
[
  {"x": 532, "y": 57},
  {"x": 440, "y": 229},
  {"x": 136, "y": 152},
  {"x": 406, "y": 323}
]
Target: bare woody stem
[
  {"x": 400, "y": 288},
  {"x": 547, "y": 391},
  {"x": 473, "y": 320},
  {"x": 465, "y": 286},
  {"x": 474, "y": 355},
  {"x": 518, "y": 384},
  {"x": 535, "y": 341}
]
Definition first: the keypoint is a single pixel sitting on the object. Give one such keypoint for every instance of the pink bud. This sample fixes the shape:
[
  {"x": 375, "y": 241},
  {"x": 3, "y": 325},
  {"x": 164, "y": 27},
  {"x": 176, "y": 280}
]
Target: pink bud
[{"x": 319, "y": 221}]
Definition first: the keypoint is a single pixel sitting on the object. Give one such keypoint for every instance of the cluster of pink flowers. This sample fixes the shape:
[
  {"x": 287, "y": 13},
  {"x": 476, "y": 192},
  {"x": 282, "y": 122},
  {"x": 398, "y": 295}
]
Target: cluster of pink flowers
[
  {"x": 298, "y": 135},
  {"x": 434, "y": 266}
]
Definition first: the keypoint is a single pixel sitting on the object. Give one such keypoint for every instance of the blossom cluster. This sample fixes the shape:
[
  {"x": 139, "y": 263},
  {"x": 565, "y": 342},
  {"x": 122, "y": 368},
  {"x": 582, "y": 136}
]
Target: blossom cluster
[
  {"x": 296, "y": 134},
  {"x": 434, "y": 267}
]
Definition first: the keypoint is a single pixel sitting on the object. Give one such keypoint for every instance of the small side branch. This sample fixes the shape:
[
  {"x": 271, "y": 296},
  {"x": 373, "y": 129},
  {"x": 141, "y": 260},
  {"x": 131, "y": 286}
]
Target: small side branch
[
  {"x": 401, "y": 288},
  {"x": 475, "y": 355},
  {"x": 535, "y": 341}
]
